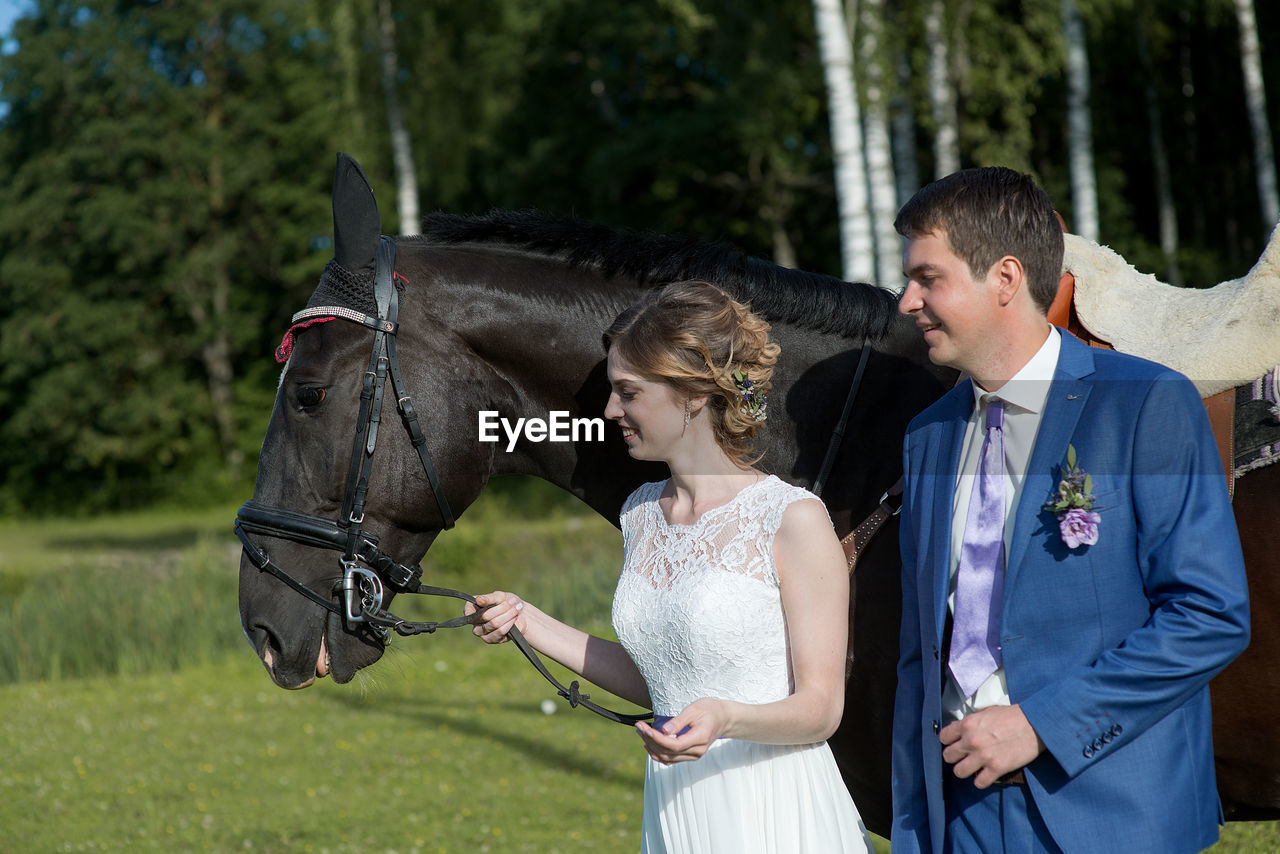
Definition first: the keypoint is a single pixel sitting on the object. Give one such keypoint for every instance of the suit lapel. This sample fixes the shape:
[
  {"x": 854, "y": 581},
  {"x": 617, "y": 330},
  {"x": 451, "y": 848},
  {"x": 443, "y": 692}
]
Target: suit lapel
[
  {"x": 959, "y": 403},
  {"x": 1067, "y": 397}
]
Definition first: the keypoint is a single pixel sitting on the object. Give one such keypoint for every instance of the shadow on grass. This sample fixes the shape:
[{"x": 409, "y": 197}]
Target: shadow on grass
[
  {"x": 178, "y": 538},
  {"x": 476, "y": 725}
]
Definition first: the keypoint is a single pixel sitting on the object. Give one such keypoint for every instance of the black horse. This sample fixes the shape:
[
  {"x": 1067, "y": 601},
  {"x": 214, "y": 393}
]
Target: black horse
[{"x": 504, "y": 314}]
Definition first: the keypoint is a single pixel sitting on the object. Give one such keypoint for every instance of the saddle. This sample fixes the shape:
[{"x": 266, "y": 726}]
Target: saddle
[{"x": 1221, "y": 337}]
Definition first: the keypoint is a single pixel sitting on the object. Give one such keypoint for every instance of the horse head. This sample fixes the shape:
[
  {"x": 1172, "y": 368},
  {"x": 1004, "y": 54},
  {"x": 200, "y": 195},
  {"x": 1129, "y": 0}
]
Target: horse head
[{"x": 320, "y": 489}]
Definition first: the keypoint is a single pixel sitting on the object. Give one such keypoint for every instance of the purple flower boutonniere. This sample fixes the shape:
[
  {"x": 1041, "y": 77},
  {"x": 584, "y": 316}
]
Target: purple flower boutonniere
[{"x": 1073, "y": 505}]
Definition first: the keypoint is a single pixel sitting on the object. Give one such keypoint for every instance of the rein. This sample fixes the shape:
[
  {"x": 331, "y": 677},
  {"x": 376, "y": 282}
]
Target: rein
[
  {"x": 857, "y": 540},
  {"x": 362, "y": 588}
]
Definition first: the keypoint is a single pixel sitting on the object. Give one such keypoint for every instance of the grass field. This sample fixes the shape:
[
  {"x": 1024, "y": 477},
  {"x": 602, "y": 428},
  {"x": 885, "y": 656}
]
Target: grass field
[
  {"x": 139, "y": 720},
  {"x": 446, "y": 751}
]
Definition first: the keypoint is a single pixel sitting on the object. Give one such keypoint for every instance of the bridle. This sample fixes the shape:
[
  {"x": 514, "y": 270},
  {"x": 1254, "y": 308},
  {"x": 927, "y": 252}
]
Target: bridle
[{"x": 362, "y": 588}]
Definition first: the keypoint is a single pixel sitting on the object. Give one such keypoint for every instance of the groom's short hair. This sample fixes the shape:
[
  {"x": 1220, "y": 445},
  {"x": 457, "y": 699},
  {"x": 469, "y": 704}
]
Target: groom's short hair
[{"x": 987, "y": 213}]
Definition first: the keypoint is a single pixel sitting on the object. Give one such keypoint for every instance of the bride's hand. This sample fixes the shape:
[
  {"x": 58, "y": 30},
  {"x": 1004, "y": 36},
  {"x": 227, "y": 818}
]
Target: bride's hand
[
  {"x": 698, "y": 726},
  {"x": 503, "y": 611}
]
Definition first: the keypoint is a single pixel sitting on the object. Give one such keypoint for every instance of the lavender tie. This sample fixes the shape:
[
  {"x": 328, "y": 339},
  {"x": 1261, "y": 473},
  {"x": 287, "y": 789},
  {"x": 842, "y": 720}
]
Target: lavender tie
[{"x": 975, "y": 629}]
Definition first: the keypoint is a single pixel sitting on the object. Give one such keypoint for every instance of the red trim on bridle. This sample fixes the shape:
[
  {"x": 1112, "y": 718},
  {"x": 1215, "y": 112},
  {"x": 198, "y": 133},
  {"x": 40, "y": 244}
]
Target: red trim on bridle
[{"x": 286, "y": 343}]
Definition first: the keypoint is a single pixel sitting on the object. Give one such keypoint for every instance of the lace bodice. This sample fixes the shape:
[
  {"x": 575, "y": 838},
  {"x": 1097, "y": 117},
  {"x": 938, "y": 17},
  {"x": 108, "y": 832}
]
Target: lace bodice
[{"x": 698, "y": 606}]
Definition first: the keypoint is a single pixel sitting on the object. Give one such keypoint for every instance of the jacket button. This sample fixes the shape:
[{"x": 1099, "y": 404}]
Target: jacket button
[
  {"x": 936, "y": 729},
  {"x": 1097, "y": 744},
  {"x": 1116, "y": 729},
  {"x": 935, "y": 652},
  {"x": 1107, "y": 737},
  {"x": 1088, "y": 752}
]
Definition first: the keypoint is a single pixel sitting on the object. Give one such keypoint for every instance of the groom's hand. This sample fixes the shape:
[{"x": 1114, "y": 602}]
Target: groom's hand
[{"x": 990, "y": 743}]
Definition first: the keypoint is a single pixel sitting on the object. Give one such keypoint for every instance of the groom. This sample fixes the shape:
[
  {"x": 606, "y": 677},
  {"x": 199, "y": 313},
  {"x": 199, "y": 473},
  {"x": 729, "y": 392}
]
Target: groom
[{"x": 1072, "y": 575}]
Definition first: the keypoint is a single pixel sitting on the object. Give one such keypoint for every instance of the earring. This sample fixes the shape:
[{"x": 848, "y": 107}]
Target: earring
[{"x": 686, "y": 415}]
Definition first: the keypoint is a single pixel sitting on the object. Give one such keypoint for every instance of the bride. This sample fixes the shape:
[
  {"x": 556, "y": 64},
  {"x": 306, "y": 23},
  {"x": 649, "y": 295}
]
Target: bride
[{"x": 732, "y": 605}]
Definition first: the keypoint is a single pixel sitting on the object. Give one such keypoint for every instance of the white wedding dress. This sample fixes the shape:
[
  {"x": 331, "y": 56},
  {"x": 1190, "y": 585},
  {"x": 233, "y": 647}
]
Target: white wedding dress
[{"x": 699, "y": 610}]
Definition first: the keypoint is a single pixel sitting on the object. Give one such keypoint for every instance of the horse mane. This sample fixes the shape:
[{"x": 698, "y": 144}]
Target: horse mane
[{"x": 809, "y": 300}]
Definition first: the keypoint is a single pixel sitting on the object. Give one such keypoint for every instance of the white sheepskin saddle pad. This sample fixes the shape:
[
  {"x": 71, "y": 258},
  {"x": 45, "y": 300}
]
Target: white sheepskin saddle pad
[{"x": 1221, "y": 337}]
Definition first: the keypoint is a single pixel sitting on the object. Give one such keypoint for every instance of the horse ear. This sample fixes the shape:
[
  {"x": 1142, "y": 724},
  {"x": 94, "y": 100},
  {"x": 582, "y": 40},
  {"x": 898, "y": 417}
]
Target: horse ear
[{"x": 356, "y": 224}]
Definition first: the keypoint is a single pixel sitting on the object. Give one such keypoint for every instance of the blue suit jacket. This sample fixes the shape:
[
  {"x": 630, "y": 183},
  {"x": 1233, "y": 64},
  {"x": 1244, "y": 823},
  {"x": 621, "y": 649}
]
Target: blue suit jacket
[{"x": 1108, "y": 648}]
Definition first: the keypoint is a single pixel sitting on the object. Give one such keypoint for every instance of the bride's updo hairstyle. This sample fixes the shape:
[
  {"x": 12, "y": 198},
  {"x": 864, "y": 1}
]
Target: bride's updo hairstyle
[{"x": 694, "y": 337}]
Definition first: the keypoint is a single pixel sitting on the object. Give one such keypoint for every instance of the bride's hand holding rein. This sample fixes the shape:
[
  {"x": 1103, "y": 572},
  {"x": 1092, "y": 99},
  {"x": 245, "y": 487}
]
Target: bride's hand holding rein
[
  {"x": 502, "y": 611},
  {"x": 602, "y": 662},
  {"x": 688, "y": 735}
]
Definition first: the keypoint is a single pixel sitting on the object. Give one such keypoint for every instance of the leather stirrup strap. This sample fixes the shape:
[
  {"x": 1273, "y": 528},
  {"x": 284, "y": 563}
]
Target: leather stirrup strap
[{"x": 1222, "y": 418}]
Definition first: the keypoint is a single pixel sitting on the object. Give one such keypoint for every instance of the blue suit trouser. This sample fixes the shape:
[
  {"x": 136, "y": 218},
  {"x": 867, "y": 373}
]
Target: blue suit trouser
[{"x": 998, "y": 820}]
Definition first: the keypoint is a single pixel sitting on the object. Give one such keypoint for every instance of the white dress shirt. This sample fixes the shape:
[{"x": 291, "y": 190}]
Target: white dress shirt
[{"x": 1024, "y": 397}]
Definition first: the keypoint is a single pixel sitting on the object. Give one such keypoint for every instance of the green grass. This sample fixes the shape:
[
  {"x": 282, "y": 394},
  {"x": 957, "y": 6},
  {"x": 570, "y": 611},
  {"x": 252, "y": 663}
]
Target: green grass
[
  {"x": 446, "y": 750},
  {"x": 127, "y": 729}
]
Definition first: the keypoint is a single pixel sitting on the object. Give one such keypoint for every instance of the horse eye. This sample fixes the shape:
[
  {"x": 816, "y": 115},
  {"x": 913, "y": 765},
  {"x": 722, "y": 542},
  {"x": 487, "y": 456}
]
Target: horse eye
[{"x": 309, "y": 397}]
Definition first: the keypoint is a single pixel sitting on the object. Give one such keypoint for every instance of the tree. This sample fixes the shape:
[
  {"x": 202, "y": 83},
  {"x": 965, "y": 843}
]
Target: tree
[
  {"x": 167, "y": 165},
  {"x": 942, "y": 98},
  {"x": 673, "y": 118},
  {"x": 401, "y": 147},
  {"x": 162, "y": 187},
  {"x": 1084, "y": 187},
  {"x": 1256, "y": 98},
  {"x": 857, "y": 245},
  {"x": 876, "y": 142},
  {"x": 1203, "y": 128}
]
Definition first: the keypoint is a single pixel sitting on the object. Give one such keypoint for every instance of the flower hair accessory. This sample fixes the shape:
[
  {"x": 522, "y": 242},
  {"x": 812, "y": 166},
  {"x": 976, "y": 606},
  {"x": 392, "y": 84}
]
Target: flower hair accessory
[
  {"x": 1073, "y": 505},
  {"x": 754, "y": 402}
]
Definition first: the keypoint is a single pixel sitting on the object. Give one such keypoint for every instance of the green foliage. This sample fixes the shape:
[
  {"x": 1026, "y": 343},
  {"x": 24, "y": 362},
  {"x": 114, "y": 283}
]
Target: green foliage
[
  {"x": 119, "y": 620},
  {"x": 166, "y": 174},
  {"x": 1008, "y": 64},
  {"x": 117, "y": 595},
  {"x": 660, "y": 116},
  {"x": 1009, "y": 68},
  {"x": 165, "y": 206}
]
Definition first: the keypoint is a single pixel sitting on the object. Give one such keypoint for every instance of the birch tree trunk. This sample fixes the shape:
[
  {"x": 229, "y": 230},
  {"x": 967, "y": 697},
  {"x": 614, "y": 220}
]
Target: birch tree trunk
[
  {"x": 1264, "y": 157},
  {"x": 1084, "y": 184},
  {"x": 401, "y": 150},
  {"x": 856, "y": 243},
  {"x": 879, "y": 150},
  {"x": 942, "y": 93}
]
